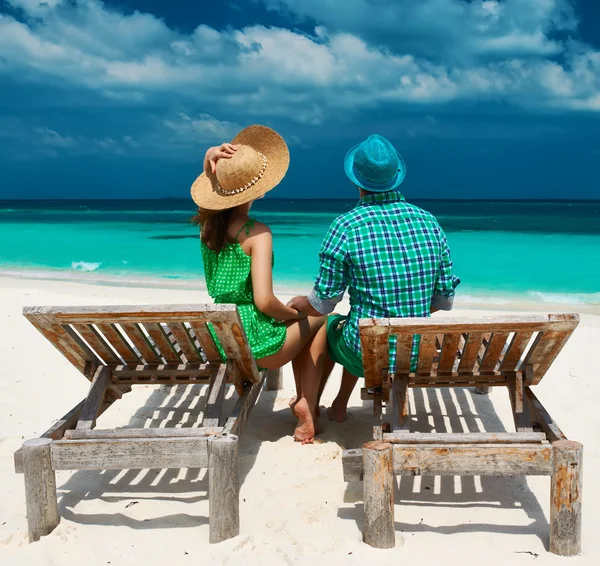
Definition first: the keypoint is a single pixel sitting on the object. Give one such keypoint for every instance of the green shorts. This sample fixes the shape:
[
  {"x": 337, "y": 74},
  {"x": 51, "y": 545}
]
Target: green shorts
[{"x": 338, "y": 350}]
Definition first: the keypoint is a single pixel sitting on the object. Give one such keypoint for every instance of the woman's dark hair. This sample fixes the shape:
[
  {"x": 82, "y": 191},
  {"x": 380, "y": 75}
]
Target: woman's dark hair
[{"x": 213, "y": 227}]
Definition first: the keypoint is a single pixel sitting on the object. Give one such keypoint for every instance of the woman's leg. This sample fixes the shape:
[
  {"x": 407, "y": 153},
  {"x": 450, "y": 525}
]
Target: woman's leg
[{"x": 306, "y": 347}]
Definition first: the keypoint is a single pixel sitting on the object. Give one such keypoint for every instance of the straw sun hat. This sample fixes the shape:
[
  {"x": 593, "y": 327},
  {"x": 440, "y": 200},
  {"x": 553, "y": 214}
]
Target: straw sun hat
[{"x": 259, "y": 164}]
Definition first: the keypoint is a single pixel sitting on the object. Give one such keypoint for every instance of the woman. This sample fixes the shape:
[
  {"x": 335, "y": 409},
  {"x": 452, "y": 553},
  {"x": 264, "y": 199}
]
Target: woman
[{"x": 238, "y": 261}]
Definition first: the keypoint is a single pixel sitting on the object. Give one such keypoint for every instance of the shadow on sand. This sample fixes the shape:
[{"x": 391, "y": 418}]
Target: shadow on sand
[
  {"x": 166, "y": 407},
  {"x": 447, "y": 410}
]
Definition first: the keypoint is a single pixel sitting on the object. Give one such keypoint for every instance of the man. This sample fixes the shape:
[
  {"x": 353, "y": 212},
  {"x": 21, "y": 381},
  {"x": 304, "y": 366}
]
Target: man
[{"x": 392, "y": 257}]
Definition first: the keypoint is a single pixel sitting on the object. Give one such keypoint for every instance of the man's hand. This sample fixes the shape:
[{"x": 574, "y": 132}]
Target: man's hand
[
  {"x": 302, "y": 304},
  {"x": 213, "y": 154}
]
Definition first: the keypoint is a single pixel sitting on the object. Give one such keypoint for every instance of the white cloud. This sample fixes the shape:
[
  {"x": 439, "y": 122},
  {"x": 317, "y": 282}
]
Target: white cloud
[{"x": 495, "y": 51}]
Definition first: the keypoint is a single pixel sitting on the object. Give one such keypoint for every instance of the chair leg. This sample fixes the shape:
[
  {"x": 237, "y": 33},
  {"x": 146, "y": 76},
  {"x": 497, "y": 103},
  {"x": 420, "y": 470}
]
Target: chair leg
[
  {"x": 40, "y": 488},
  {"x": 223, "y": 488},
  {"x": 274, "y": 380},
  {"x": 565, "y": 498},
  {"x": 379, "y": 494}
]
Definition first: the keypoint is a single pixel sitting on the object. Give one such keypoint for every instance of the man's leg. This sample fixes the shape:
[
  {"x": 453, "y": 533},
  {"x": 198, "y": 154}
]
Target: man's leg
[
  {"x": 338, "y": 411},
  {"x": 329, "y": 365}
]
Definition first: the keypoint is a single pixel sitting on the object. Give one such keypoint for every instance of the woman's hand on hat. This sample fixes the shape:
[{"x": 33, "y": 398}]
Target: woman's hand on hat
[{"x": 213, "y": 154}]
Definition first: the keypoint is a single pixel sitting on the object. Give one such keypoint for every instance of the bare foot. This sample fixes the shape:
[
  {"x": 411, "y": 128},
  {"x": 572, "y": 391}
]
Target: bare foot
[
  {"x": 337, "y": 414},
  {"x": 305, "y": 429}
]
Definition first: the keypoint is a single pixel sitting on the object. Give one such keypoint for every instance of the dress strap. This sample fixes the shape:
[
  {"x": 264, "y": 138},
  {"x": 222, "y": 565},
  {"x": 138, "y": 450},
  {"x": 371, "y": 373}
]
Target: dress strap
[{"x": 248, "y": 226}]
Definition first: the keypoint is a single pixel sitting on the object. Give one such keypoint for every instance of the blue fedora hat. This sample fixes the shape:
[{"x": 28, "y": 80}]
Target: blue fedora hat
[{"x": 375, "y": 165}]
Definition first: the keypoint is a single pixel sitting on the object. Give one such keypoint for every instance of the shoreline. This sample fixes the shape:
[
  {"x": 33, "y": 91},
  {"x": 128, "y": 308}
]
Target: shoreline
[{"x": 84, "y": 284}]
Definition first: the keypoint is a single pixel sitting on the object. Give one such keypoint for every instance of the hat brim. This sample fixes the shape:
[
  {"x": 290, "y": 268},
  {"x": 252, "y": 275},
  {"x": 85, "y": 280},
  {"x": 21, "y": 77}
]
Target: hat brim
[
  {"x": 349, "y": 169},
  {"x": 205, "y": 191}
]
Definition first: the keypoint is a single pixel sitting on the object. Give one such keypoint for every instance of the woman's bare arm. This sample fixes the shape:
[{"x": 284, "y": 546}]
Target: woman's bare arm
[{"x": 261, "y": 249}]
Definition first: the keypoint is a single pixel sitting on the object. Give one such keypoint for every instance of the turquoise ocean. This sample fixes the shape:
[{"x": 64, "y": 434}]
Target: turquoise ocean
[{"x": 525, "y": 250}]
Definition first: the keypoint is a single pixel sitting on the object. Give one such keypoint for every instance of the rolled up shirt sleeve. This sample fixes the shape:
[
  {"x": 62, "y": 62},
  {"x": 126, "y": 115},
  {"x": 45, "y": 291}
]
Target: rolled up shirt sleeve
[
  {"x": 332, "y": 279},
  {"x": 446, "y": 282}
]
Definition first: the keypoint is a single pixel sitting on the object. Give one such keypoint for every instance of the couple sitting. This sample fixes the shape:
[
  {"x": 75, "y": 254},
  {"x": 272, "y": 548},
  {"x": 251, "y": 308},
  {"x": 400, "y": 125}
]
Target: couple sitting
[{"x": 391, "y": 256}]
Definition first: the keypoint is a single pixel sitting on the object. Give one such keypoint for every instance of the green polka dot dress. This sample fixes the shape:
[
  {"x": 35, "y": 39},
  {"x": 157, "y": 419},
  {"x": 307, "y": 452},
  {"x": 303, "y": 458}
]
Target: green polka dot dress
[{"x": 228, "y": 281}]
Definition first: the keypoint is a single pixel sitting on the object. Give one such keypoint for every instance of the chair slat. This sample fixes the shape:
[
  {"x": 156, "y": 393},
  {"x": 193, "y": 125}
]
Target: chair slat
[
  {"x": 235, "y": 345},
  {"x": 449, "y": 353},
  {"x": 495, "y": 347},
  {"x": 206, "y": 341},
  {"x": 185, "y": 343},
  {"x": 140, "y": 341},
  {"x": 97, "y": 343},
  {"x": 470, "y": 351},
  {"x": 376, "y": 354},
  {"x": 403, "y": 353},
  {"x": 544, "y": 352},
  {"x": 119, "y": 343},
  {"x": 161, "y": 342},
  {"x": 515, "y": 351},
  {"x": 426, "y": 351}
]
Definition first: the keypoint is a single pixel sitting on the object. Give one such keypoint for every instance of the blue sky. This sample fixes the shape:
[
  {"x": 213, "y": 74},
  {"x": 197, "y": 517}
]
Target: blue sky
[{"x": 483, "y": 98}]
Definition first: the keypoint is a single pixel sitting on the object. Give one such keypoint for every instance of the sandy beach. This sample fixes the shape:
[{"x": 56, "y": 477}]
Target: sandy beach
[{"x": 295, "y": 507}]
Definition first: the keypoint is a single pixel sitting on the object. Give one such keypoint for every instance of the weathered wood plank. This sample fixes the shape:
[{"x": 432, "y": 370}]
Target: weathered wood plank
[
  {"x": 352, "y": 465},
  {"x": 545, "y": 352},
  {"x": 97, "y": 343},
  {"x": 144, "y": 313},
  {"x": 122, "y": 454},
  {"x": 378, "y": 495},
  {"x": 426, "y": 352},
  {"x": 491, "y": 358},
  {"x": 185, "y": 343},
  {"x": 543, "y": 418},
  {"x": 506, "y": 460},
  {"x": 465, "y": 438},
  {"x": 235, "y": 345},
  {"x": 449, "y": 353},
  {"x": 239, "y": 416},
  {"x": 94, "y": 399},
  {"x": 40, "y": 488},
  {"x": 468, "y": 460},
  {"x": 140, "y": 341},
  {"x": 206, "y": 342},
  {"x": 162, "y": 343},
  {"x": 515, "y": 351},
  {"x": 214, "y": 403},
  {"x": 565, "y": 498},
  {"x": 140, "y": 433},
  {"x": 401, "y": 417},
  {"x": 377, "y": 415},
  {"x": 469, "y": 355},
  {"x": 58, "y": 337},
  {"x": 403, "y": 353},
  {"x": 223, "y": 488},
  {"x": 479, "y": 324},
  {"x": 520, "y": 410},
  {"x": 165, "y": 370},
  {"x": 119, "y": 343},
  {"x": 375, "y": 352}
]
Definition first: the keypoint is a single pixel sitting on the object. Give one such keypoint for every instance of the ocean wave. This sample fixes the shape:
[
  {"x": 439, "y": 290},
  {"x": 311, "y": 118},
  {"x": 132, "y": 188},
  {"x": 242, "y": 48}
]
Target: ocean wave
[
  {"x": 85, "y": 265},
  {"x": 566, "y": 298}
]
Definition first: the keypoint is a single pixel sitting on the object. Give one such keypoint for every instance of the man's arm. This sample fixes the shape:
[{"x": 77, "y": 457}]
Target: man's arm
[
  {"x": 331, "y": 282},
  {"x": 446, "y": 282}
]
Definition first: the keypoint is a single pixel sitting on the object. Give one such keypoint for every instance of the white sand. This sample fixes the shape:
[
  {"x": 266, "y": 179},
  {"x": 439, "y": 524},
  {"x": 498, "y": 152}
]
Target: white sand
[{"x": 295, "y": 507}]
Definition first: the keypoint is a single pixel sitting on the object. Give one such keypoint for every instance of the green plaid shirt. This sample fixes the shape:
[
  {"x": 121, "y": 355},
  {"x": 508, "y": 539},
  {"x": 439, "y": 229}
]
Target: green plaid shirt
[{"x": 392, "y": 257}]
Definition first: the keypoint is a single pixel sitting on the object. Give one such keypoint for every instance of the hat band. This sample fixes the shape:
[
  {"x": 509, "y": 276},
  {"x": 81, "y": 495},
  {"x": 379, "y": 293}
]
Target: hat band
[
  {"x": 249, "y": 184},
  {"x": 373, "y": 184}
]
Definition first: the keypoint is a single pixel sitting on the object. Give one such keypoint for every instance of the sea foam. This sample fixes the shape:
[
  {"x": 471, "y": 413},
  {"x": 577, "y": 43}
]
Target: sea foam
[{"x": 85, "y": 265}]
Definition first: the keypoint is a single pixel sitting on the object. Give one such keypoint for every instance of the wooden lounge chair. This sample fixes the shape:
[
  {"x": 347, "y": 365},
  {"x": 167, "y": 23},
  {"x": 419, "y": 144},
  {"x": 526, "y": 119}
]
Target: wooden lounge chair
[
  {"x": 510, "y": 351},
  {"x": 119, "y": 347}
]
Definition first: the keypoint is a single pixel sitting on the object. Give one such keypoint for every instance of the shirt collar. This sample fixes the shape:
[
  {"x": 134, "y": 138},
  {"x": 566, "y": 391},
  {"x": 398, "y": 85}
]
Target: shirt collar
[{"x": 388, "y": 196}]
